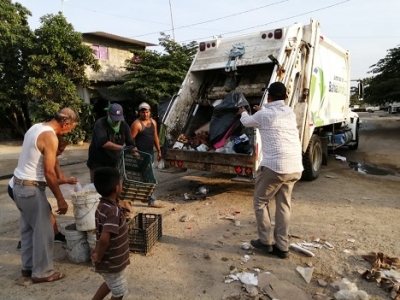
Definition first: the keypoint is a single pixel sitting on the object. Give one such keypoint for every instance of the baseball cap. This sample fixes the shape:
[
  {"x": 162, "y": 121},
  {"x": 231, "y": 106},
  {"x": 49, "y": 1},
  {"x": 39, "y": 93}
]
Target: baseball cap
[
  {"x": 116, "y": 112},
  {"x": 144, "y": 105},
  {"x": 277, "y": 89}
]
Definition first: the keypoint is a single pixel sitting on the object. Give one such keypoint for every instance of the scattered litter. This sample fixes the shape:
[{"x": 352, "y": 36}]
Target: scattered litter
[
  {"x": 383, "y": 272},
  {"x": 322, "y": 283},
  {"x": 227, "y": 218},
  {"x": 306, "y": 273},
  {"x": 186, "y": 218},
  {"x": 346, "y": 251},
  {"x": 202, "y": 190},
  {"x": 294, "y": 236},
  {"x": 331, "y": 176},
  {"x": 252, "y": 290},
  {"x": 245, "y": 246},
  {"x": 349, "y": 291},
  {"x": 206, "y": 256},
  {"x": 391, "y": 274},
  {"x": 276, "y": 288},
  {"x": 243, "y": 277},
  {"x": 231, "y": 278},
  {"x": 237, "y": 223},
  {"x": 188, "y": 197},
  {"x": 245, "y": 258},
  {"x": 247, "y": 278},
  {"x": 351, "y": 240},
  {"x": 342, "y": 158},
  {"x": 328, "y": 245},
  {"x": 301, "y": 249},
  {"x": 316, "y": 240}
]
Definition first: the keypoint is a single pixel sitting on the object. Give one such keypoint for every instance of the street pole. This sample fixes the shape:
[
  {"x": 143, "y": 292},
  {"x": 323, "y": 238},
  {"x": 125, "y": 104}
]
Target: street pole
[{"x": 172, "y": 21}]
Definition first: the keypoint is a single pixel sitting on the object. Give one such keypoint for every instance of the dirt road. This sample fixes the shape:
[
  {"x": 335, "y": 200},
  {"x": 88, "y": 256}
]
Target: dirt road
[{"x": 192, "y": 258}]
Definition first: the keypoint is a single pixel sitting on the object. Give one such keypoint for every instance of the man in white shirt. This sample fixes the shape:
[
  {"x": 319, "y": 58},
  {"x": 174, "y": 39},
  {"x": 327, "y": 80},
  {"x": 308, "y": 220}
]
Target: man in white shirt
[
  {"x": 280, "y": 168},
  {"x": 35, "y": 171}
]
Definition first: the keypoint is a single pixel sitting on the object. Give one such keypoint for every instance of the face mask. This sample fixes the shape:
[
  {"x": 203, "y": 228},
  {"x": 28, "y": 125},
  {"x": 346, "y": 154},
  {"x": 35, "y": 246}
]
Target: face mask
[{"x": 114, "y": 125}]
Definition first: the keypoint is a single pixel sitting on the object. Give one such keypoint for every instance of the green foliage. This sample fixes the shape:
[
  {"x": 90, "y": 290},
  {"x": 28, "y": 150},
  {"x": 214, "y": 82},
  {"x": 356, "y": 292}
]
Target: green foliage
[
  {"x": 16, "y": 44},
  {"x": 59, "y": 62},
  {"x": 354, "y": 96},
  {"x": 154, "y": 75},
  {"x": 56, "y": 67},
  {"x": 384, "y": 86},
  {"x": 40, "y": 70}
]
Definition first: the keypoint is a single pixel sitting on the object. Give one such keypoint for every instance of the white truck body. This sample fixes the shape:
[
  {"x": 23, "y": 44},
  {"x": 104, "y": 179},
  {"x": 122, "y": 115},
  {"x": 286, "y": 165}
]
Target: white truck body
[
  {"x": 393, "y": 107},
  {"x": 315, "y": 71}
]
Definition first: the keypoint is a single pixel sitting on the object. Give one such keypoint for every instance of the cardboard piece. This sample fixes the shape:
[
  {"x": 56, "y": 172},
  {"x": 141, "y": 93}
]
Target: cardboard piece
[{"x": 280, "y": 289}]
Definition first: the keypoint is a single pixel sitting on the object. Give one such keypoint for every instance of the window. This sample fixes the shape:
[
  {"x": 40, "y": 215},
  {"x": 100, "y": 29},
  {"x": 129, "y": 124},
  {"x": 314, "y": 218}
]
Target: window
[{"x": 100, "y": 52}]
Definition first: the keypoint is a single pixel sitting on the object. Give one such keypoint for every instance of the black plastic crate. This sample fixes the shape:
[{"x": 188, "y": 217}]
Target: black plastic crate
[
  {"x": 144, "y": 231},
  {"x": 138, "y": 181}
]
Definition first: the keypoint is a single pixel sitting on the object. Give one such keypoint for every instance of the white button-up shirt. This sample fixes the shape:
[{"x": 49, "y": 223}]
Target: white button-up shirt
[{"x": 281, "y": 148}]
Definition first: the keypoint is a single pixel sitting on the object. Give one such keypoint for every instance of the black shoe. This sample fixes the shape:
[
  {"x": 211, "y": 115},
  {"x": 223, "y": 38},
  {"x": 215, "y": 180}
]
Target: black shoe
[
  {"x": 278, "y": 252},
  {"x": 59, "y": 238},
  {"x": 19, "y": 246},
  {"x": 26, "y": 273},
  {"x": 259, "y": 245}
]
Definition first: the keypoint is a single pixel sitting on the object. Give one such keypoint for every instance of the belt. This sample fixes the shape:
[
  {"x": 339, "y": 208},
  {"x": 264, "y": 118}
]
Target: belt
[{"x": 29, "y": 182}]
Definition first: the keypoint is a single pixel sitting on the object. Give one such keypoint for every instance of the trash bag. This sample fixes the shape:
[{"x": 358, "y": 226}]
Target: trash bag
[{"x": 225, "y": 114}]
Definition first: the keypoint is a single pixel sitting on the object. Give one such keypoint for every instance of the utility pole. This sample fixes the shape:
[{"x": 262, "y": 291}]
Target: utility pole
[
  {"x": 62, "y": 6},
  {"x": 172, "y": 21}
]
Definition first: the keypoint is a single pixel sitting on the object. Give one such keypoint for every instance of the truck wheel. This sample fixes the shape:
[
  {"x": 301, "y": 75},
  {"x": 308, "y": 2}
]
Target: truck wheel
[
  {"x": 312, "y": 159},
  {"x": 355, "y": 146}
]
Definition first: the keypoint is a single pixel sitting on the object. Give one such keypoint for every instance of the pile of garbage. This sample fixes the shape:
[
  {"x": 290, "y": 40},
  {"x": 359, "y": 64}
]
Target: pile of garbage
[
  {"x": 223, "y": 133},
  {"x": 383, "y": 271}
]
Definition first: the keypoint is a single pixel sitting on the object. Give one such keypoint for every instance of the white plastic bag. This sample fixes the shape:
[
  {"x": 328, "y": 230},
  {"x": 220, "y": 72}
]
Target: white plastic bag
[
  {"x": 161, "y": 164},
  {"x": 68, "y": 189}
]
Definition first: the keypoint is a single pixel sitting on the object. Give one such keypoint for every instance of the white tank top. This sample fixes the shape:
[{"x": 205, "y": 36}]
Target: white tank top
[{"x": 30, "y": 162}]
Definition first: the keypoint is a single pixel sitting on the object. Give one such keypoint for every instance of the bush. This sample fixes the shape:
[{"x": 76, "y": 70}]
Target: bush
[{"x": 45, "y": 111}]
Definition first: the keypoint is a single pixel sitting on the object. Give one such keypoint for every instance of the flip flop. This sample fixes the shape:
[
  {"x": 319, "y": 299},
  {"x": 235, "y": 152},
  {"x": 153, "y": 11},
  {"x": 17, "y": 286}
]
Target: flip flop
[{"x": 54, "y": 277}]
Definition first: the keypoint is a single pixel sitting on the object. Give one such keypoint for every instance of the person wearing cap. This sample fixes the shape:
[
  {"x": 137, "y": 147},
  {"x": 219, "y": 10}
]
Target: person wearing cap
[
  {"x": 280, "y": 168},
  {"x": 144, "y": 131},
  {"x": 110, "y": 136}
]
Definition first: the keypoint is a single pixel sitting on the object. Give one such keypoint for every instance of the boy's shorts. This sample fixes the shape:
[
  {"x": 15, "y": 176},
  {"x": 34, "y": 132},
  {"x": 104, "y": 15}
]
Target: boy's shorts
[{"x": 116, "y": 282}]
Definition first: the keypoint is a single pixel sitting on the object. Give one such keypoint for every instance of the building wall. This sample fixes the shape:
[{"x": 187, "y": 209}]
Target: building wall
[{"x": 112, "y": 68}]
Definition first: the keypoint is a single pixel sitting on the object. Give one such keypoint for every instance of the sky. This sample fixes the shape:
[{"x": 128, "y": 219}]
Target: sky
[{"x": 366, "y": 28}]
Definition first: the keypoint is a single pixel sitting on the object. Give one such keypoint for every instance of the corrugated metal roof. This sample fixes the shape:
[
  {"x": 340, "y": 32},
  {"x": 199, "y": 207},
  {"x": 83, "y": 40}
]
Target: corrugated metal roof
[{"x": 118, "y": 38}]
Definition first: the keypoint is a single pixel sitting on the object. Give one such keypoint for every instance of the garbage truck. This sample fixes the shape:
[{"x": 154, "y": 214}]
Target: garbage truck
[{"x": 201, "y": 123}]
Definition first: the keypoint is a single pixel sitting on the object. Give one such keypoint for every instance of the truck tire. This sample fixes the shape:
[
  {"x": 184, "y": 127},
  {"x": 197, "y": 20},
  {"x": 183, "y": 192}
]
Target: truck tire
[
  {"x": 312, "y": 159},
  {"x": 355, "y": 146}
]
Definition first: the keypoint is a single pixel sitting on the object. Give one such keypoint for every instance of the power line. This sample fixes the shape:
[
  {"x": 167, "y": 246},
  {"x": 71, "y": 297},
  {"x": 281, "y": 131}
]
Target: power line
[
  {"x": 217, "y": 19},
  {"x": 284, "y": 19}
]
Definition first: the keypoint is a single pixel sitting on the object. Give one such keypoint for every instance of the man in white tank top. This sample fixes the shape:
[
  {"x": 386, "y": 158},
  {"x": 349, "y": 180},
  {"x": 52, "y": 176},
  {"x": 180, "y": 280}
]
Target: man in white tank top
[{"x": 35, "y": 171}]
